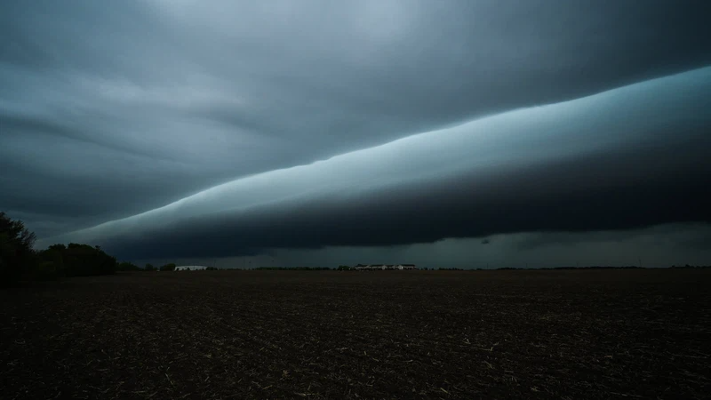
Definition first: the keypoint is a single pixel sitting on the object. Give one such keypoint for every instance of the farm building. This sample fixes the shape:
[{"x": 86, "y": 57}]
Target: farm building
[
  {"x": 191, "y": 268},
  {"x": 406, "y": 266},
  {"x": 384, "y": 267}
]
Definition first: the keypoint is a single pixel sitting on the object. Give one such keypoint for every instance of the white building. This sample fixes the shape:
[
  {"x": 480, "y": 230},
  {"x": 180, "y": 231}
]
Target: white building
[
  {"x": 382, "y": 267},
  {"x": 405, "y": 266},
  {"x": 190, "y": 268}
]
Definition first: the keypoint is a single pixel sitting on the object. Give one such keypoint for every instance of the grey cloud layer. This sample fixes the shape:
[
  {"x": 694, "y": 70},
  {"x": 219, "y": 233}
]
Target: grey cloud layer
[
  {"x": 630, "y": 157},
  {"x": 659, "y": 246},
  {"x": 108, "y": 109}
]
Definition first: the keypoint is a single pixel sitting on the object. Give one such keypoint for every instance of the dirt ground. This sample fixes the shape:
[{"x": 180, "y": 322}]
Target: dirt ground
[{"x": 346, "y": 335}]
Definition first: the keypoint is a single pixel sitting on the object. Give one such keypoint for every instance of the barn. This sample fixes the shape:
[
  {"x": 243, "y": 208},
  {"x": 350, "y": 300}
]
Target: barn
[{"x": 191, "y": 268}]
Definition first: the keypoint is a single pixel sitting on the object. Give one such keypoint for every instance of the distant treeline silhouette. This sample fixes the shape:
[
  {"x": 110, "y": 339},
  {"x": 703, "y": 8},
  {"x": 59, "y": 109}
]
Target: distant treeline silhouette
[
  {"x": 595, "y": 267},
  {"x": 292, "y": 269},
  {"x": 19, "y": 261},
  {"x": 559, "y": 268}
]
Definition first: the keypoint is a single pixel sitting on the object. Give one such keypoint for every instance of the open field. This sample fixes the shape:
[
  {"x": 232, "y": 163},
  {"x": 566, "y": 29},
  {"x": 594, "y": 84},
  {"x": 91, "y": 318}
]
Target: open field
[{"x": 394, "y": 334}]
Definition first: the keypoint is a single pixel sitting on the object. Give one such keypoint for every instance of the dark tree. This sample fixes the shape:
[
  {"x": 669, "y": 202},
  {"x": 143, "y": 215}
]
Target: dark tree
[{"x": 17, "y": 258}]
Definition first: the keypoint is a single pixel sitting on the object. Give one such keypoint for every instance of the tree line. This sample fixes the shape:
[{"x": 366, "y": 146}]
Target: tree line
[
  {"x": 291, "y": 269},
  {"x": 19, "y": 261}
]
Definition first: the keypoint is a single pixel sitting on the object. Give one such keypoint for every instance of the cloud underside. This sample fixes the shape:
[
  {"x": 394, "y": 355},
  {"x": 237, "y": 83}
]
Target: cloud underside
[
  {"x": 627, "y": 158},
  {"x": 110, "y": 109}
]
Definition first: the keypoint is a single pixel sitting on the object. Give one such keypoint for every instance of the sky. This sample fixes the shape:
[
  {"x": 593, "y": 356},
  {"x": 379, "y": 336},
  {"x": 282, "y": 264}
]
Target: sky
[{"x": 467, "y": 134}]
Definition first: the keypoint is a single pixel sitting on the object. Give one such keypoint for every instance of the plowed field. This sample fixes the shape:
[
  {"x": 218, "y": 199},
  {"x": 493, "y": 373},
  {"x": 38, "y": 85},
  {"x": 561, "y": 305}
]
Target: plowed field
[{"x": 345, "y": 335}]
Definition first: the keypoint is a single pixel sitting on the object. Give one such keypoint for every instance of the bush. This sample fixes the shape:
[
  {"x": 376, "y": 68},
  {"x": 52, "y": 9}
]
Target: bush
[
  {"x": 127, "y": 266},
  {"x": 46, "y": 271},
  {"x": 168, "y": 267},
  {"x": 77, "y": 260}
]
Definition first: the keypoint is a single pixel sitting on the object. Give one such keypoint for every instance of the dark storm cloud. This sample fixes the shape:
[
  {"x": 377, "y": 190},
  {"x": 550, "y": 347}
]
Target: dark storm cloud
[
  {"x": 687, "y": 237},
  {"x": 627, "y": 158},
  {"x": 108, "y": 109},
  {"x": 658, "y": 246}
]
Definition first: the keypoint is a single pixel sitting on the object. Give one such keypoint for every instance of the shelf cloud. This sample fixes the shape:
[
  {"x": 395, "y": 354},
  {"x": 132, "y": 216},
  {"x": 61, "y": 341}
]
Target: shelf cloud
[
  {"x": 183, "y": 128},
  {"x": 627, "y": 158}
]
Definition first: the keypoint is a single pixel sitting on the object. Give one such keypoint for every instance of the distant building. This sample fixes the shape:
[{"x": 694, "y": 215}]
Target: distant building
[
  {"x": 191, "y": 268},
  {"x": 384, "y": 267},
  {"x": 406, "y": 266}
]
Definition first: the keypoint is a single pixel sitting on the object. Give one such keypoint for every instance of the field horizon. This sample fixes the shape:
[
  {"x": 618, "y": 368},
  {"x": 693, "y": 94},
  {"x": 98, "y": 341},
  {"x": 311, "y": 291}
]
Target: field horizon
[{"x": 570, "y": 334}]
